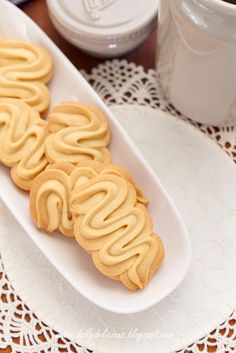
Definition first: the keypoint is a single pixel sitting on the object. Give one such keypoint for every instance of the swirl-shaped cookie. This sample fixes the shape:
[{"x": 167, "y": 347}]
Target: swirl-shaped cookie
[
  {"x": 50, "y": 196},
  {"x": 24, "y": 71},
  {"x": 22, "y": 137},
  {"x": 77, "y": 132},
  {"x": 116, "y": 169},
  {"x": 116, "y": 230}
]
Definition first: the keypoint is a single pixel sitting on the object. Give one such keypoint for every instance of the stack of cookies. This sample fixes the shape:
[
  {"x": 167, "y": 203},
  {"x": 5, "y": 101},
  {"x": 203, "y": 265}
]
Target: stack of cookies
[{"x": 65, "y": 163}]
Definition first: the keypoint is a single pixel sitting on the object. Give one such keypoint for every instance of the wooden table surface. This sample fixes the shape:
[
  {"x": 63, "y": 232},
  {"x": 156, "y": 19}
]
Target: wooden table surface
[{"x": 37, "y": 9}]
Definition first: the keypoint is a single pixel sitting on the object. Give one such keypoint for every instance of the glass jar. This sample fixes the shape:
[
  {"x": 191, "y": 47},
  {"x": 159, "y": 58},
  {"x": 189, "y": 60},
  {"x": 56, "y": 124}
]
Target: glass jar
[{"x": 196, "y": 58}]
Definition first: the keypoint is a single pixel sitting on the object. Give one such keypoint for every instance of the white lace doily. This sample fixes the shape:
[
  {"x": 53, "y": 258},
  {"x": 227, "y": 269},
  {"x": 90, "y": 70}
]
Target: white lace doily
[{"x": 117, "y": 82}]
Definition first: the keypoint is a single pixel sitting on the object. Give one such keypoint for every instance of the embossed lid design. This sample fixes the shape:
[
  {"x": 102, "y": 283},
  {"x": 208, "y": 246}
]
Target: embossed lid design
[{"x": 103, "y": 21}]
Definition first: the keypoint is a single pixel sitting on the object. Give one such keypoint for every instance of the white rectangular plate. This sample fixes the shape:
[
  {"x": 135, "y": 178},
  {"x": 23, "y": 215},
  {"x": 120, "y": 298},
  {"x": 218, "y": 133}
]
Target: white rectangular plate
[{"x": 73, "y": 263}]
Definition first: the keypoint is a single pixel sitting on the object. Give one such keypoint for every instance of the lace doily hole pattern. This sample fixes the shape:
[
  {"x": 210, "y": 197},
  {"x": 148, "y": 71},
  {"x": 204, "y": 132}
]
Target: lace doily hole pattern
[{"x": 143, "y": 88}]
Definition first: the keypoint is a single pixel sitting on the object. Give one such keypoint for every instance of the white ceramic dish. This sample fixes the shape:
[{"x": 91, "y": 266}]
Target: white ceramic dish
[
  {"x": 204, "y": 300},
  {"x": 73, "y": 263}
]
